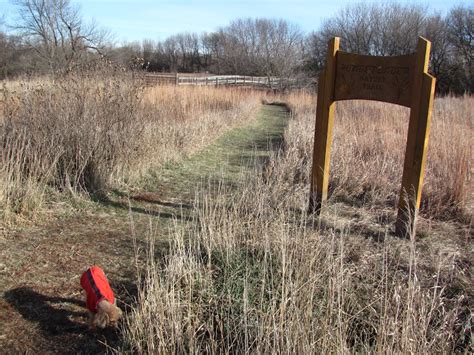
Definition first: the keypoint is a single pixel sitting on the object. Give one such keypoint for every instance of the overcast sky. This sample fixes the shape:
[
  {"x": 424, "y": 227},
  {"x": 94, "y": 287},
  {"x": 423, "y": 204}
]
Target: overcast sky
[{"x": 132, "y": 20}]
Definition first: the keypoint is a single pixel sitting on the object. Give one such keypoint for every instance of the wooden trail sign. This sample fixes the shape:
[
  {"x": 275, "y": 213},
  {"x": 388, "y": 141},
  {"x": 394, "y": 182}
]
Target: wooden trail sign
[{"x": 402, "y": 80}]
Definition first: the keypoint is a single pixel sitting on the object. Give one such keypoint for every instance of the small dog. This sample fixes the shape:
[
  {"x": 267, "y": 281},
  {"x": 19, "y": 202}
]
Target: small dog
[{"x": 100, "y": 299}]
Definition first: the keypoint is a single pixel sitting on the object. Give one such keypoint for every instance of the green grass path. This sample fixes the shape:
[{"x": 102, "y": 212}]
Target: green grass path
[
  {"x": 233, "y": 153},
  {"x": 225, "y": 161}
]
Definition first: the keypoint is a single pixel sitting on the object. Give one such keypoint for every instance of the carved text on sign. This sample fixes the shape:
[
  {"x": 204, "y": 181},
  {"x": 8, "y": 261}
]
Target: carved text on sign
[{"x": 387, "y": 79}]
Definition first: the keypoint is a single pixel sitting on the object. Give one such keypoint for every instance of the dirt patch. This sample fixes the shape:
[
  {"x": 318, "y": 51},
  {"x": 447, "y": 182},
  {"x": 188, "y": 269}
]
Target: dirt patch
[{"x": 41, "y": 303}]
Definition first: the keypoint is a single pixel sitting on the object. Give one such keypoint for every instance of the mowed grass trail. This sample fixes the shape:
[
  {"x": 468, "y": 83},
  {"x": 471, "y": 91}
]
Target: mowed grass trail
[
  {"x": 232, "y": 156},
  {"x": 41, "y": 308}
]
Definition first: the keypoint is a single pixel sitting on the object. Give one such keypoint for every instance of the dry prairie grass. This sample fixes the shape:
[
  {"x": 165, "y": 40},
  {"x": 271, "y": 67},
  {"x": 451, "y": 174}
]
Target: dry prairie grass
[
  {"x": 251, "y": 275},
  {"x": 84, "y": 133},
  {"x": 254, "y": 274},
  {"x": 369, "y": 146},
  {"x": 187, "y": 119}
]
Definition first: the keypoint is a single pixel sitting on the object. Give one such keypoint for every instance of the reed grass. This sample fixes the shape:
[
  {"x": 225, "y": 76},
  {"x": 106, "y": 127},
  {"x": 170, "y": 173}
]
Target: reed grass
[
  {"x": 87, "y": 132},
  {"x": 369, "y": 148},
  {"x": 253, "y": 273}
]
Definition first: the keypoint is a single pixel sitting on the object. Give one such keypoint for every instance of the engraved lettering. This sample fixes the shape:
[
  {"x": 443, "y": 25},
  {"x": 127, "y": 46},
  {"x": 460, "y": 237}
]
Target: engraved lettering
[
  {"x": 386, "y": 79},
  {"x": 372, "y": 86}
]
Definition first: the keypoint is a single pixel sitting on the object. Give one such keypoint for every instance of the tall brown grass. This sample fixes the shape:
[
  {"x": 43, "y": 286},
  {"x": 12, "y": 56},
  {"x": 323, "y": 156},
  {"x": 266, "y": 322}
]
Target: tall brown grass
[
  {"x": 369, "y": 148},
  {"x": 183, "y": 120},
  {"x": 253, "y": 273},
  {"x": 85, "y": 132}
]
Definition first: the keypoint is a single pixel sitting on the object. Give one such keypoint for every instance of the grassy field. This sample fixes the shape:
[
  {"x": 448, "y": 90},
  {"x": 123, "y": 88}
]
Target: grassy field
[
  {"x": 252, "y": 272},
  {"x": 81, "y": 135},
  {"x": 194, "y": 201}
]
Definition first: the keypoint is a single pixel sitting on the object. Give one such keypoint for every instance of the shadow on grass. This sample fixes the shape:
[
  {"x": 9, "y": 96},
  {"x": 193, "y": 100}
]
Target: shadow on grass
[
  {"x": 258, "y": 152},
  {"x": 329, "y": 227},
  {"x": 151, "y": 198},
  {"x": 270, "y": 142},
  {"x": 161, "y": 214}
]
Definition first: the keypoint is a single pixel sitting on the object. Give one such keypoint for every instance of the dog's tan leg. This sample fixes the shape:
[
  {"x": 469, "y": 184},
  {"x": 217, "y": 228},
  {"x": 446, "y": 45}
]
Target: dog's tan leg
[{"x": 92, "y": 325}]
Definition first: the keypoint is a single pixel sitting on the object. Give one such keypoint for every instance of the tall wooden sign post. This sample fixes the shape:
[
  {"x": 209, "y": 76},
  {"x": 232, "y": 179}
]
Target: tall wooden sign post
[{"x": 402, "y": 80}]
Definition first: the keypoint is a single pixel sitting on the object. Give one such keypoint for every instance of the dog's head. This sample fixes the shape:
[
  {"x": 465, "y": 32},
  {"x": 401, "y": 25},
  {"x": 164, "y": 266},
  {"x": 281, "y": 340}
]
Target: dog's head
[{"x": 107, "y": 315}]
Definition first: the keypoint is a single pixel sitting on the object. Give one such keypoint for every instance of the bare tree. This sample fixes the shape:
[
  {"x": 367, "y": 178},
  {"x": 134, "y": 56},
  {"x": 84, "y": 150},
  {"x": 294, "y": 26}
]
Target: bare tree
[
  {"x": 210, "y": 51},
  {"x": 460, "y": 23},
  {"x": 13, "y": 56},
  {"x": 436, "y": 30},
  {"x": 283, "y": 48},
  {"x": 56, "y": 32},
  {"x": 400, "y": 26},
  {"x": 261, "y": 47},
  {"x": 170, "y": 47},
  {"x": 356, "y": 25},
  {"x": 5, "y": 54},
  {"x": 148, "y": 52},
  {"x": 188, "y": 52},
  {"x": 376, "y": 29},
  {"x": 461, "y": 30}
]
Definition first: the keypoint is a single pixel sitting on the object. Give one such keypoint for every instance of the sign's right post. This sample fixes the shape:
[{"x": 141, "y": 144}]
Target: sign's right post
[{"x": 417, "y": 143}]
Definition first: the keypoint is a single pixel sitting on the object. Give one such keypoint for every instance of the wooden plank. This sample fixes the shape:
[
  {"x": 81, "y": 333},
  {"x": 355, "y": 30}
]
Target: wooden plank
[
  {"x": 323, "y": 131},
  {"x": 387, "y": 79},
  {"x": 417, "y": 143}
]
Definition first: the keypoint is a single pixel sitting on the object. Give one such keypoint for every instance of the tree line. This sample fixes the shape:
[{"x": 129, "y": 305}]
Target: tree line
[{"x": 51, "y": 36}]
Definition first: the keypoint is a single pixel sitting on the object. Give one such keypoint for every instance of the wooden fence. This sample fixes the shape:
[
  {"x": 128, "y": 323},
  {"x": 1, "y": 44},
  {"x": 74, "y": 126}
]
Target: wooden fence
[
  {"x": 160, "y": 79},
  {"x": 225, "y": 80}
]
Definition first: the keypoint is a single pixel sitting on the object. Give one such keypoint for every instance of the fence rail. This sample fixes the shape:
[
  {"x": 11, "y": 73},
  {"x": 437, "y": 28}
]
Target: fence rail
[
  {"x": 226, "y": 80},
  {"x": 160, "y": 79}
]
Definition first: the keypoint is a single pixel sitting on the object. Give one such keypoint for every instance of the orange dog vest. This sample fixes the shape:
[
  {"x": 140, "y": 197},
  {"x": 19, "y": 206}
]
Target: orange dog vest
[{"x": 97, "y": 288}]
